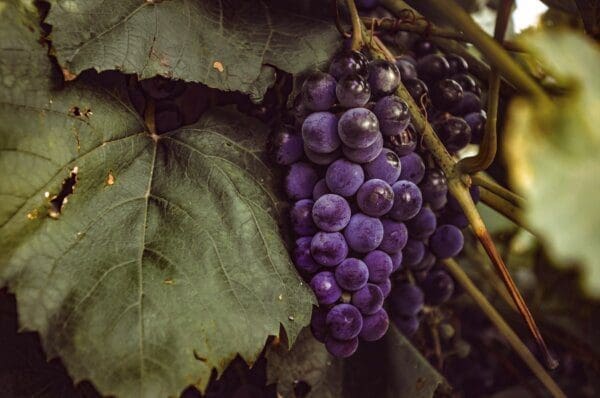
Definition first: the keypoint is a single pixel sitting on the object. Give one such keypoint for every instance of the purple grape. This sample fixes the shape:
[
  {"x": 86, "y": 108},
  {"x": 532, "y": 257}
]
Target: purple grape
[
  {"x": 385, "y": 287},
  {"x": 393, "y": 115},
  {"x": 375, "y": 198},
  {"x": 353, "y": 91},
  {"x": 395, "y": 236},
  {"x": 344, "y": 321},
  {"x": 417, "y": 89},
  {"x": 318, "y": 91},
  {"x": 363, "y": 233},
  {"x": 348, "y": 62},
  {"x": 302, "y": 257},
  {"x": 319, "y": 132},
  {"x": 423, "y": 47},
  {"x": 467, "y": 83},
  {"x": 434, "y": 188},
  {"x": 396, "y": 260},
  {"x": 328, "y": 248},
  {"x": 320, "y": 189},
  {"x": 425, "y": 264},
  {"x": 286, "y": 147},
  {"x": 438, "y": 287},
  {"x": 367, "y": 4},
  {"x": 446, "y": 94},
  {"x": 406, "y": 299},
  {"x": 358, "y": 128},
  {"x": 432, "y": 67},
  {"x": 384, "y": 77},
  {"x": 407, "y": 200},
  {"x": 325, "y": 287},
  {"x": 470, "y": 103},
  {"x": 384, "y": 167},
  {"x": 454, "y": 132},
  {"x": 341, "y": 348},
  {"x": 457, "y": 64},
  {"x": 476, "y": 122},
  {"x": 364, "y": 155},
  {"x": 344, "y": 177},
  {"x": 352, "y": 274},
  {"x": 403, "y": 143},
  {"x": 368, "y": 299},
  {"x": 458, "y": 219},
  {"x": 379, "y": 265},
  {"x": 301, "y": 217},
  {"x": 331, "y": 213},
  {"x": 447, "y": 241},
  {"x": 422, "y": 225},
  {"x": 407, "y": 69},
  {"x": 374, "y": 326},
  {"x": 408, "y": 325},
  {"x": 412, "y": 168},
  {"x": 300, "y": 181},
  {"x": 323, "y": 159},
  {"x": 317, "y": 323},
  {"x": 413, "y": 253}
]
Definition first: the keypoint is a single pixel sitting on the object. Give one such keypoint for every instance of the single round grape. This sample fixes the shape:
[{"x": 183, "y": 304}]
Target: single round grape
[
  {"x": 408, "y": 325},
  {"x": 384, "y": 77},
  {"x": 406, "y": 68},
  {"x": 395, "y": 236},
  {"x": 348, "y": 62},
  {"x": 476, "y": 122},
  {"x": 379, "y": 265},
  {"x": 432, "y": 67},
  {"x": 467, "y": 83},
  {"x": 425, "y": 264},
  {"x": 358, "y": 128},
  {"x": 286, "y": 147},
  {"x": 385, "y": 287},
  {"x": 386, "y": 166},
  {"x": 317, "y": 323},
  {"x": 363, "y": 233},
  {"x": 412, "y": 168},
  {"x": 454, "y": 132},
  {"x": 438, "y": 287},
  {"x": 413, "y": 253},
  {"x": 434, "y": 188},
  {"x": 301, "y": 217},
  {"x": 447, "y": 241},
  {"x": 352, "y": 274},
  {"x": 300, "y": 181},
  {"x": 329, "y": 248},
  {"x": 368, "y": 299},
  {"x": 318, "y": 91},
  {"x": 446, "y": 94},
  {"x": 344, "y": 177},
  {"x": 403, "y": 143},
  {"x": 319, "y": 132},
  {"x": 374, "y": 326},
  {"x": 325, "y": 287},
  {"x": 344, "y": 321},
  {"x": 302, "y": 258},
  {"x": 375, "y": 197},
  {"x": 393, "y": 115},
  {"x": 458, "y": 219},
  {"x": 364, "y": 155},
  {"x": 396, "y": 260},
  {"x": 320, "y": 189},
  {"x": 323, "y": 159},
  {"x": 406, "y": 299},
  {"x": 341, "y": 348},
  {"x": 423, "y": 224},
  {"x": 353, "y": 91},
  {"x": 457, "y": 64},
  {"x": 417, "y": 89},
  {"x": 470, "y": 103},
  {"x": 407, "y": 201},
  {"x": 424, "y": 47},
  {"x": 331, "y": 213}
]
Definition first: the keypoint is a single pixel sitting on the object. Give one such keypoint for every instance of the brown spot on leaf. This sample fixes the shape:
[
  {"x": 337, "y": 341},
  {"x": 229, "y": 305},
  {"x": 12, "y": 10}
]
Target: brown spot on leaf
[
  {"x": 110, "y": 179},
  {"x": 68, "y": 75},
  {"x": 218, "y": 66},
  {"x": 58, "y": 201},
  {"x": 420, "y": 383},
  {"x": 169, "y": 281}
]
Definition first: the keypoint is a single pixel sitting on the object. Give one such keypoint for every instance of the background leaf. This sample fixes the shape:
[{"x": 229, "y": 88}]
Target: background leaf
[{"x": 166, "y": 261}]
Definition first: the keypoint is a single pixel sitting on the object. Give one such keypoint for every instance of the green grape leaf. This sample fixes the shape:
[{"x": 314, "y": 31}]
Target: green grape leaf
[
  {"x": 222, "y": 44},
  {"x": 552, "y": 153},
  {"x": 160, "y": 258}
]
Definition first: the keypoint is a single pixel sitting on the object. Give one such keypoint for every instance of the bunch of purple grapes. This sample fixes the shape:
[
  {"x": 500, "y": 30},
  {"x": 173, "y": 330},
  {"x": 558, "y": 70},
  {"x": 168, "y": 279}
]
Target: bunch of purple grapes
[{"x": 366, "y": 210}]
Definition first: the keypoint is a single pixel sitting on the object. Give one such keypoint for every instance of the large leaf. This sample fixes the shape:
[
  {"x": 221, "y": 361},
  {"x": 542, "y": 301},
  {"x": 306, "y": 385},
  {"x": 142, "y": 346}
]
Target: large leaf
[
  {"x": 166, "y": 261},
  {"x": 553, "y": 153},
  {"x": 223, "y": 44}
]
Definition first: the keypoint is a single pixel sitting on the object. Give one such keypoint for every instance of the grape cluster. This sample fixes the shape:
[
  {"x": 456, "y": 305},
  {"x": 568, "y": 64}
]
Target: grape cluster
[{"x": 367, "y": 207}]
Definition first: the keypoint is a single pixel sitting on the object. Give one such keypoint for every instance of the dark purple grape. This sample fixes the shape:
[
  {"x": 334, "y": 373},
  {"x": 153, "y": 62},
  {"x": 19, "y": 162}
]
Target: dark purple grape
[
  {"x": 446, "y": 94},
  {"x": 412, "y": 168},
  {"x": 375, "y": 197},
  {"x": 319, "y": 132},
  {"x": 417, "y": 89},
  {"x": 395, "y": 236},
  {"x": 434, "y": 188},
  {"x": 320, "y": 189},
  {"x": 406, "y": 299},
  {"x": 352, "y": 274},
  {"x": 300, "y": 181},
  {"x": 363, "y": 233},
  {"x": 364, "y": 155},
  {"x": 408, "y": 325},
  {"x": 353, "y": 91},
  {"x": 374, "y": 326},
  {"x": 425, "y": 264},
  {"x": 302, "y": 257},
  {"x": 467, "y": 83},
  {"x": 432, "y": 67},
  {"x": 438, "y": 287},
  {"x": 457, "y": 64},
  {"x": 422, "y": 225},
  {"x": 358, "y": 128},
  {"x": 318, "y": 91},
  {"x": 301, "y": 217},
  {"x": 325, "y": 287},
  {"x": 476, "y": 122},
  {"x": 317, "y": 323},
  {"x": 396, "y": 260},
  {"x": 331, "y": 213},
  {"x": 341, "y": 348},
  {"x": 379, "y": 265},
  {"x": 328, "y": 248},
  {"x": 167, "y": 117},
  {"x": 403, "y": 143},
  {"x": 344, "y": 177},
  {"x": 447, "y": 241},
  {"x": 323, "y": 159},
  {"x": 366, "y": 4},
  {"x": 454, "y": 132},
  {"x": 286, "y": 147},
  {"x": 423, "y": 47},
  {"x": 348, "y": 62},
  {"x": 344, "y": 321},
  {"x": 384, "y": 167},
  {"x": 407, "y": 69},
  {"x": 470, "y": 103},
  {"x": 368, "y": 299},
  {"x": 458, "y": 219},
  {"x": 385, "y": 287},
  {"x": 407, "y": 200},
  {"x": 413, "y": 253},
  {"x": 393, "y": 115},
  {"x": 384, "y": 77},
  {"x": 160, "y": 87}
]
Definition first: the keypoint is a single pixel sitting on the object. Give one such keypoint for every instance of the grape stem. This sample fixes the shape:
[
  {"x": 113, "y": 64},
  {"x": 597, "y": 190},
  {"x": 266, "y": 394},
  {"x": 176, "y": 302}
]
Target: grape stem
[
  {"x": 149, "y": 116},
  {"x": 338, "y": 23},
  {"x": 357, "y": 39},
  {"x": 512, "y": 338},
  {"x": 504, "y": 207},
  {"x": 484, "y": 181}
]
